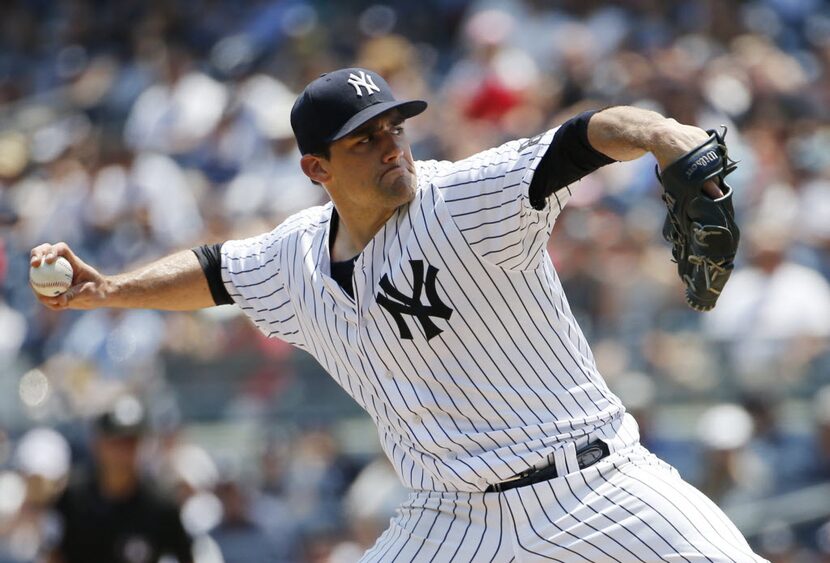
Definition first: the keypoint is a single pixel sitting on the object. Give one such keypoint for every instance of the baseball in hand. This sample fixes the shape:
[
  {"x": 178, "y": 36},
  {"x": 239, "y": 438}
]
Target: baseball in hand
[{"x": 51, "y": 279}]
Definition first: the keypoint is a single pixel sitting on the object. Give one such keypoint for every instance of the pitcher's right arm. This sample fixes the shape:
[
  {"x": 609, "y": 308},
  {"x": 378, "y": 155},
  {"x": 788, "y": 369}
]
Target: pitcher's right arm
[{"x": 174, "y": 283}]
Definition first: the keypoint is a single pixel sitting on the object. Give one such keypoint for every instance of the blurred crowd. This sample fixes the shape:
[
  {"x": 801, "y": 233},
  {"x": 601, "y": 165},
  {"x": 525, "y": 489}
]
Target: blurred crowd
[{"x": 135, "y": 128}]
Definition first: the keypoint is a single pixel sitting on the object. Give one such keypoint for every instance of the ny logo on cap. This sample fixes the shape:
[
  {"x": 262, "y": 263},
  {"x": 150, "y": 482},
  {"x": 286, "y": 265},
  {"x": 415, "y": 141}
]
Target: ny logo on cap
[{"x": 364, "y": 80}]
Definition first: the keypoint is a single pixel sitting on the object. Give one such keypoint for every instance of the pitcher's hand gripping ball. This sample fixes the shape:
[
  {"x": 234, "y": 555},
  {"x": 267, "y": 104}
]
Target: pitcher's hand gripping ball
[
  {"x": 701, "y": 230},
  {"x": 51, "y": 279}
]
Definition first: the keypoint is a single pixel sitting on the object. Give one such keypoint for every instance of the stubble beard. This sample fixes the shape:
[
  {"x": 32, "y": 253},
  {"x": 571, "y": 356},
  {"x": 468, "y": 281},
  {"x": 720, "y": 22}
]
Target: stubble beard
[{"x": 402, "y": 188}]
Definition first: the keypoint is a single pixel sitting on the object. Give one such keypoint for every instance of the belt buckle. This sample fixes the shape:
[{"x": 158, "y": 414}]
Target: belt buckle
[
  {"x": 522, "y": 475},
  {"x": 590, "y": 454},
  {"x": 498, "y": 487},
  {"x": 586, "y": 456}
]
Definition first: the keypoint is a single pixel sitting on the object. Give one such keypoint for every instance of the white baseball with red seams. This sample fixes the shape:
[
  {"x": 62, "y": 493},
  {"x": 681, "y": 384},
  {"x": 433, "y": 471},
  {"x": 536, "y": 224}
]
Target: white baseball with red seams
[{"x": 51, "y": 279}]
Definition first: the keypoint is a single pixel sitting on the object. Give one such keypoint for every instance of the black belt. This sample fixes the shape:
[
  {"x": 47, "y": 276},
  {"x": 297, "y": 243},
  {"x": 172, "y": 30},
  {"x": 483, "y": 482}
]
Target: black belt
[{"x": 586, "y": 456}]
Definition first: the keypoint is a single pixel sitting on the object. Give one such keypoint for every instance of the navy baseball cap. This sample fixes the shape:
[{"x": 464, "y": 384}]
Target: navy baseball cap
[{"x": 338, "y": 102}]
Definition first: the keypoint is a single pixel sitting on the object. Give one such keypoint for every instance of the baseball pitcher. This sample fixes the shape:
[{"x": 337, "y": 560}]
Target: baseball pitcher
[{"x": 425, "y": 289}]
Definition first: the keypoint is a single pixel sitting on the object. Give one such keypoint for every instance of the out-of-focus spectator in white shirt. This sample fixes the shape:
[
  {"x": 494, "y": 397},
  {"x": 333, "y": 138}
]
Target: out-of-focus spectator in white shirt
[
  {"x": 769, "y": 306},
  {"x": 174, "y": 115}
]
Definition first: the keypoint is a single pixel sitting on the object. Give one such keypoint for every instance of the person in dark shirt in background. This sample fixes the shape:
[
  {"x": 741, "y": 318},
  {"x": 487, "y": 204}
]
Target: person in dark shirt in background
[{"x": 110, "y": 514}]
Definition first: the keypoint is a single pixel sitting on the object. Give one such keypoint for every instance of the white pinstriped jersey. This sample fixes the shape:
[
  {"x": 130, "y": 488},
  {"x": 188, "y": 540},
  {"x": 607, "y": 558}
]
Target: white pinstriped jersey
[{"x": 459, "y": 341}]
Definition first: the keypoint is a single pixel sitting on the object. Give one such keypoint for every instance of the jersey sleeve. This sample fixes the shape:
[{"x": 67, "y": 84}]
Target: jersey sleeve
[
  {"x": 252, "y": 271},
  {"x": 488, "y": 197}
]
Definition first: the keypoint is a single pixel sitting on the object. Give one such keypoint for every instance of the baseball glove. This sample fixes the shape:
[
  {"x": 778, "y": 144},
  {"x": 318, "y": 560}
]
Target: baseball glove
[{"x": 701, "y": 230}]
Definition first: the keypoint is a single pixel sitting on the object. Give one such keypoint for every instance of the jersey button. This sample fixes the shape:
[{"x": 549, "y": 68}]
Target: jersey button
[
  {"x": 389, "y": 374},
  {"x": 417, "y": 419}
]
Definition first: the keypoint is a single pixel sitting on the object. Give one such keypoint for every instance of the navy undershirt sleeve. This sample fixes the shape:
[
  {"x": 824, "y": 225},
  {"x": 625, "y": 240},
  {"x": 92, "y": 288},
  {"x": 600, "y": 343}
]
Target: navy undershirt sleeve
[
  {"x": 210, "y": 258},
  {"x": 569, "y": 157}
]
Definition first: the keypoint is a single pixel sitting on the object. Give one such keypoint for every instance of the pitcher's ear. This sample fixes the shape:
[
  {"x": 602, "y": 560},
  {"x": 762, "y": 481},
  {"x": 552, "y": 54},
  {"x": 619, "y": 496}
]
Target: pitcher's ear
[{"x": 315, "y": 167}]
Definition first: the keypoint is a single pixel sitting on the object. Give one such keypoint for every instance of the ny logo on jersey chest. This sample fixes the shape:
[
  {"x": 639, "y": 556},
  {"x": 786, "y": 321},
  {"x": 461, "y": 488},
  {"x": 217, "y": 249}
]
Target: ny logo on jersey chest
[{"x": 399, "y": 304}]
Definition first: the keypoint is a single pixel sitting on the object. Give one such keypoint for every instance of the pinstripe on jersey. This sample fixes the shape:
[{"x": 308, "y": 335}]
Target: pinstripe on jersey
[{"x": 477, "y": 403}]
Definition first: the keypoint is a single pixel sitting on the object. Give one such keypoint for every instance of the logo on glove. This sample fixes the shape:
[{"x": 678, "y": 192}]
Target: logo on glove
[{"x": 708, "y": 158}]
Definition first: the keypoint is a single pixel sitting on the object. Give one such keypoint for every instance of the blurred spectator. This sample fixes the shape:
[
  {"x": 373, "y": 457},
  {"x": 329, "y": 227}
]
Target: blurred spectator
[
  {"x": 789, "y": 456},
  {"x": 118, "y": 343},
  {"x": 110, "y": 513},
  {"x": 638, "y": 393},
  {"x": 769, "y": 306},
  {"x": 823, "y": 542},
  {"x": 733, "y": 473},
  {"x": 41, "y": 460},
  {"x": 820, "y": 463},
  {"x": 13, "y": 327},
  {"x": 370, "y": 502},
  {"x": 17, "y": 543},
  {"x": 239, "y": 536},
  {"x": 180, "y": 111},
  {"x": 271, "y": 506},
  {"x": 318, "y": 476}
]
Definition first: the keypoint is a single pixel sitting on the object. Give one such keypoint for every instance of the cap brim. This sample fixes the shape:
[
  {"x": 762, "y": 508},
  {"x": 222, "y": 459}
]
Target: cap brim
[{"x": 408, "y": 109}]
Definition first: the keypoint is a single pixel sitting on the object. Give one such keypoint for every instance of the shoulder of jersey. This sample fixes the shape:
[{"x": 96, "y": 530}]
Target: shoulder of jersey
[
  {"x": 428, "y": 169},
  {"x": 305, "y": 220}
]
